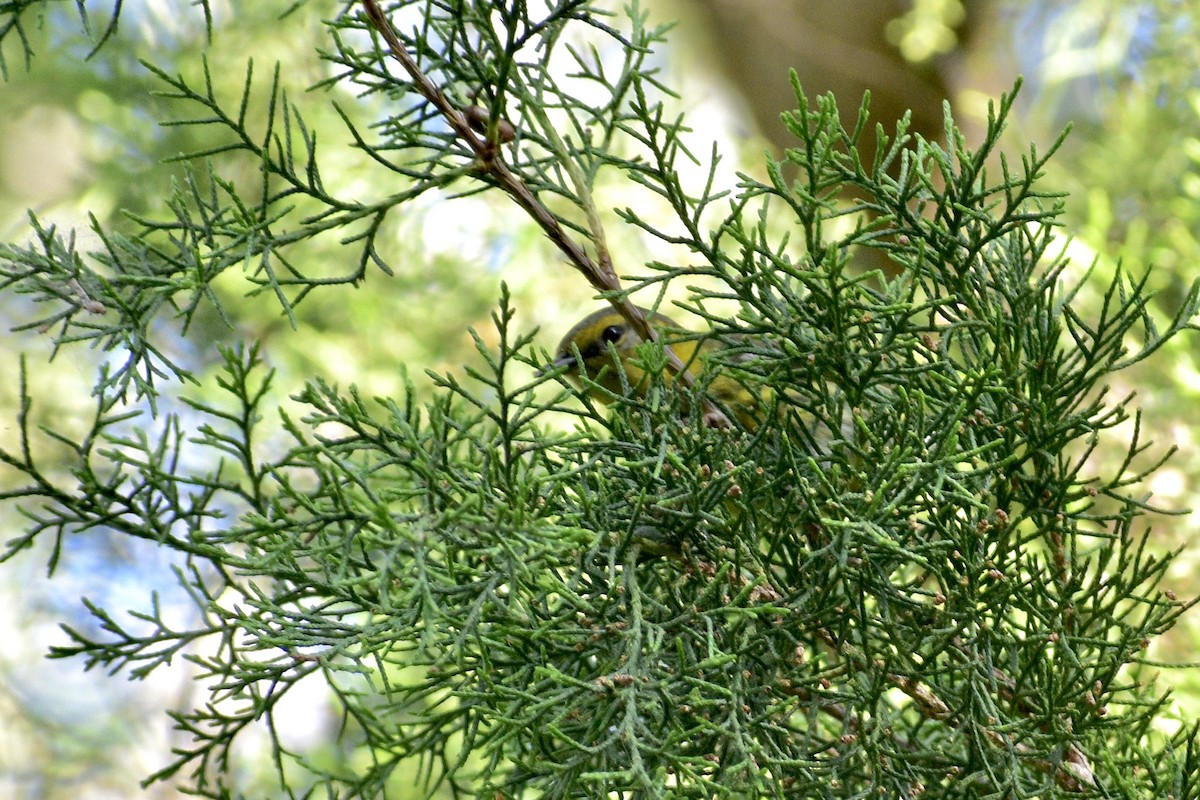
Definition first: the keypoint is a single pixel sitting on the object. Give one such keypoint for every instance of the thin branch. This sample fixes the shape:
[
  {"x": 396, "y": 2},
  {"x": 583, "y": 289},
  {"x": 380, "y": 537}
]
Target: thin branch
[{"x": 601, "y": 276}]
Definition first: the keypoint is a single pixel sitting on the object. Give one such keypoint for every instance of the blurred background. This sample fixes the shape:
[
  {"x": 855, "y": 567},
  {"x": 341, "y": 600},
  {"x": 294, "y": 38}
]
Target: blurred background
[{"x": 82, "y": 140}]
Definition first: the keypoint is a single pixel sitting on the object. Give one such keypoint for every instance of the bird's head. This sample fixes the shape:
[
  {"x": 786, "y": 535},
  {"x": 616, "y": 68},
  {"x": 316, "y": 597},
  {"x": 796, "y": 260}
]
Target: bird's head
[{"x": 593, "y": 342}]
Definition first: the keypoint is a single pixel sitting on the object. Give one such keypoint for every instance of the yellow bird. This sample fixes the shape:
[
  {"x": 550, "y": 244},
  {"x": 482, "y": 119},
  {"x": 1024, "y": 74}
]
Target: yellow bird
[{"x": 603, "y": 333}]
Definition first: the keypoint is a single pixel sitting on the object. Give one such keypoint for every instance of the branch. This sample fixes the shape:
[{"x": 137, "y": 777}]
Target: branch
[{"x": 601, "y": 276}]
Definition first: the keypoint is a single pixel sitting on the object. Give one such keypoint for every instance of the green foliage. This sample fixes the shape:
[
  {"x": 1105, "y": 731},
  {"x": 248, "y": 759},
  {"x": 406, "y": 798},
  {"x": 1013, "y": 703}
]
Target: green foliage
[{"x": 914, "y": 578}]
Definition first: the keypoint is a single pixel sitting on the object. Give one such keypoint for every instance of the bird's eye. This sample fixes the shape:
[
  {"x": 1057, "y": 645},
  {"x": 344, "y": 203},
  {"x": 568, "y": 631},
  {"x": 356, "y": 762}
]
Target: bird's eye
[{"x": 612, "y": 333}]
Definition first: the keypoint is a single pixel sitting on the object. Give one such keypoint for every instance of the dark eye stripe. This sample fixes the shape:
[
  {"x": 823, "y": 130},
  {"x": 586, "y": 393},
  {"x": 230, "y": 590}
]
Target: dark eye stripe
[{"x": 591, "y": 351}]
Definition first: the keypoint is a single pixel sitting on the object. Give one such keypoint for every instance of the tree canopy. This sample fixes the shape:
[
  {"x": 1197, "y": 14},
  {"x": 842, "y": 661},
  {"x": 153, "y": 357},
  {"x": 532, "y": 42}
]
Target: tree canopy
[{"x": 308, "y": 454}]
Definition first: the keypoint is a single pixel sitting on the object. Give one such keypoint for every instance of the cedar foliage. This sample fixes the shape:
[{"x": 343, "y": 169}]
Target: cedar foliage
[{"x": 920, "y": 576}]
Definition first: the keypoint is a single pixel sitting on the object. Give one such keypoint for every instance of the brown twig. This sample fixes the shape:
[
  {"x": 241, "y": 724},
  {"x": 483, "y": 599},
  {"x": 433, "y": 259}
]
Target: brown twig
[{"x": 600, "y": 275}]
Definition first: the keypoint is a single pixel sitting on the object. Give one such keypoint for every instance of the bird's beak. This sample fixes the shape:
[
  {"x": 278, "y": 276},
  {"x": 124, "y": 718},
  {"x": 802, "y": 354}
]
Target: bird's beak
[{"x": 563, "y": 360}]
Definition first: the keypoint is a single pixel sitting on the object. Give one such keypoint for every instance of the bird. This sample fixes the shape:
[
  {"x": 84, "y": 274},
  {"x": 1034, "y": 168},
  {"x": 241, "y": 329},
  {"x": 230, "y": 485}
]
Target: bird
[{"x": 589, "y": 347}]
